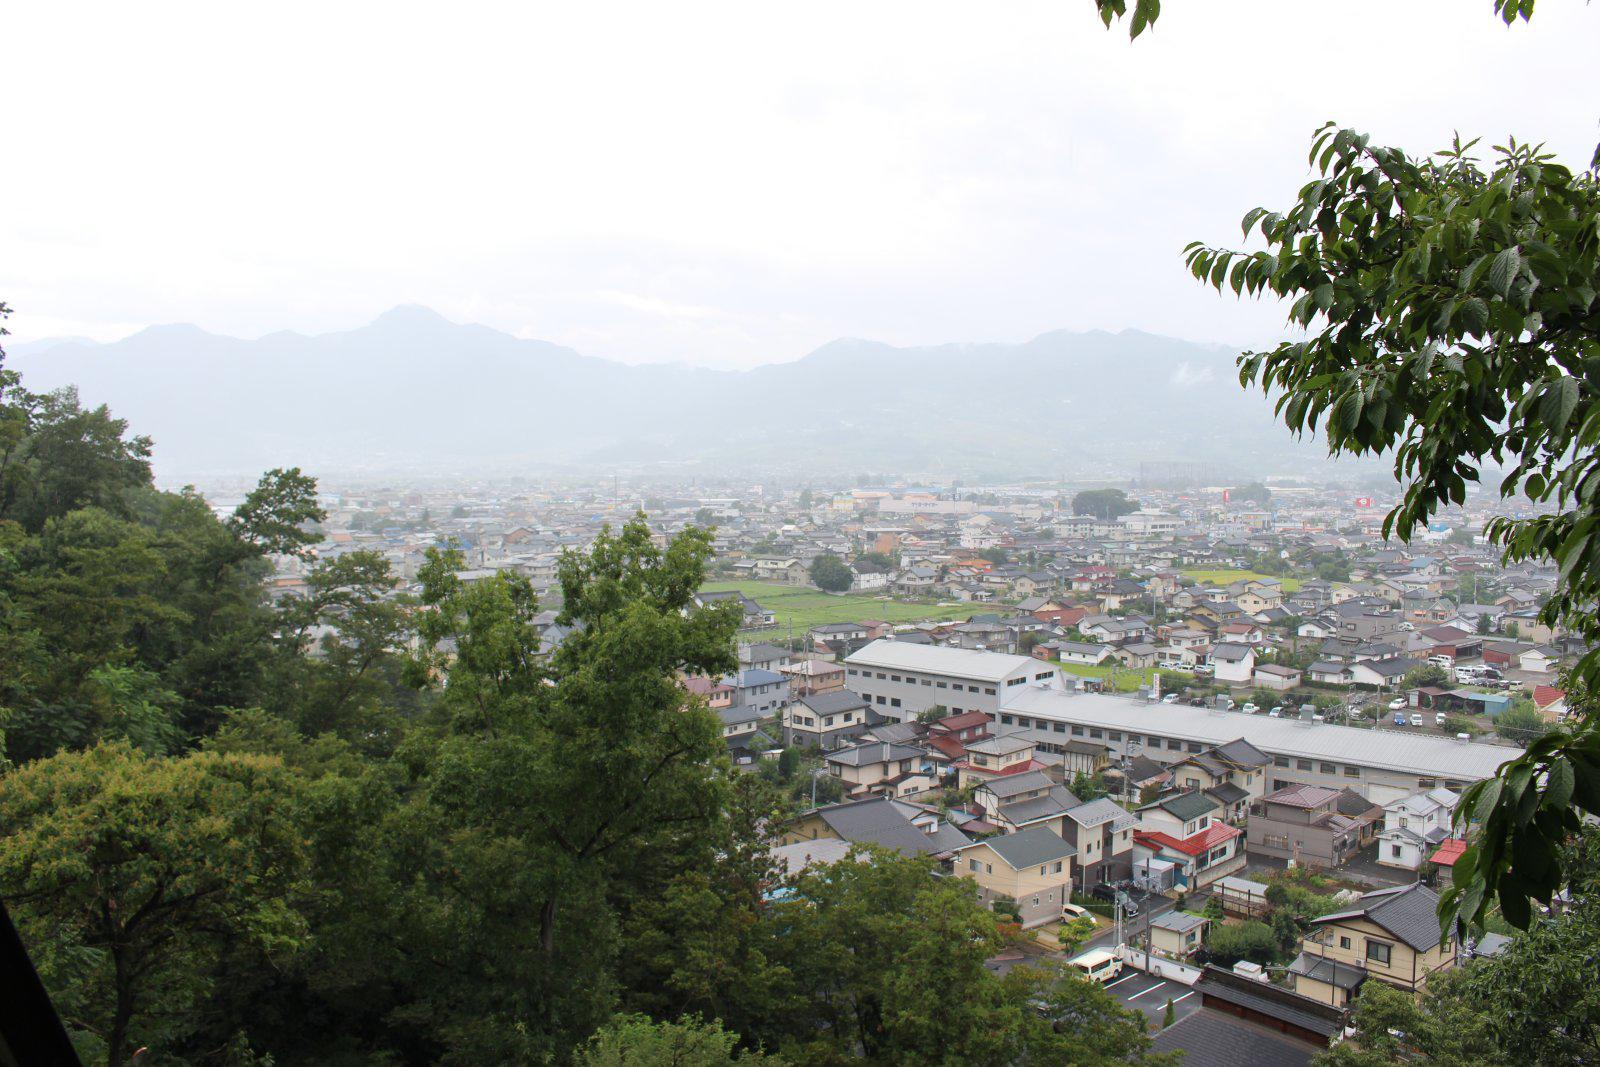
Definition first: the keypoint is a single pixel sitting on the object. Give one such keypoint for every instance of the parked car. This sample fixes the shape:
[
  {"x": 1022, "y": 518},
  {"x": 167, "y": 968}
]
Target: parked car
[
  {"x": 1196, "y": 702},
  {"x": 1399, "y": 719},
  {"x": 1442, "y": 661},
  {"x": 1397, "y": 703},
  {"x": 1438, "y": 718},
  {"x": 1070, "y": 912},
  {"x": 1250, "y": 709},
  {"x": 1416, "y": 718},
  {"x": 1275, "y": 713},
  {"x": 1171, "y": 698},
  {"x": 1097, "y": 965}
]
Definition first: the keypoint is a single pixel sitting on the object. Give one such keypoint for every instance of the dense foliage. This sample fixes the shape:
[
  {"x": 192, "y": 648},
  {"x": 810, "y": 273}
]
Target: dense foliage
[
  {"x": 1105, "y": 504},
  {"x": 830, "y": 573},
  {"x": 1451, "y": 317}
]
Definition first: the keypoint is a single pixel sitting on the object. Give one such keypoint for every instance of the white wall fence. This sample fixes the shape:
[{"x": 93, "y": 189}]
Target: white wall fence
[{"x": 1160, "y": 966}]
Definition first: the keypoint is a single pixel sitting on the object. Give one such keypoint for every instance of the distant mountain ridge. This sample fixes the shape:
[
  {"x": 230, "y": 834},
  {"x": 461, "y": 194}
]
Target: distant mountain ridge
[{"x": 412, "y": 390}]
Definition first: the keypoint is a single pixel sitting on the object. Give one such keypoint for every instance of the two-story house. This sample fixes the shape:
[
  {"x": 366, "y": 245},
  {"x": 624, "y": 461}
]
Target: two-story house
[
  {"x": 1231, "y": 774},
  {"x": 1233, "y": 663},
  {"x": 826, "y": 721},
  {"x": 1414, "y": 826},
  {"x": 908, "y": 828},
  {"x": 1032, "y": 867},
  {"x": 1185, "y": 829},
  {"x": 881, "y": 768},
  {"x": 995, "y": 757},
  {"x": 764, "y": 691},
  {"x": 813, "y": 674},
  {"x": 1018, "y": 801},
  {"x": 1388, "y": 934},
  {"x": 1303, "y": 823},
  {"x": 1102, "y": 832}
]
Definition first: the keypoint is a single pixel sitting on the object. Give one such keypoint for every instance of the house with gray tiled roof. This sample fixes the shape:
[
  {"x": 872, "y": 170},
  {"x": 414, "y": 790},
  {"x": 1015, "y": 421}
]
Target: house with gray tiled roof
[
  {"x": 1389, "y": 934},
  {"x": 1032, "y": 868},
  {"x": 882, "y": 822}
]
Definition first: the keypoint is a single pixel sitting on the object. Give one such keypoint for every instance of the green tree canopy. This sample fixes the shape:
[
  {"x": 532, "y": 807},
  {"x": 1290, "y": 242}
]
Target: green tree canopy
[
  {"x": 1106, "y": 504},
  {"x": 830, "y": 573},
  {"x": 636, "y": 1041},
  {"x": 132, "y": 876},
  {"x": 1451, "y": 317}
]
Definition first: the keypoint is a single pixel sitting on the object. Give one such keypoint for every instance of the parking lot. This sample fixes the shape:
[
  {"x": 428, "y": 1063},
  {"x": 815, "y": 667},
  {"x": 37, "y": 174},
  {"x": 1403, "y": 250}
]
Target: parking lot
[{"x": 1150, "y": 995}]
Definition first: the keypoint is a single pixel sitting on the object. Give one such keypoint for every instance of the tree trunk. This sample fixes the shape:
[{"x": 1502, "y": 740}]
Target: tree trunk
[
  {"x": 547, "y": 927},
  {"x": 117, "y": 1042}
]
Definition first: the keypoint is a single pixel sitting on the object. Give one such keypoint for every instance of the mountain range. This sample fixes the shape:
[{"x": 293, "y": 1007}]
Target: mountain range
[{"x": 412, "y": 391}]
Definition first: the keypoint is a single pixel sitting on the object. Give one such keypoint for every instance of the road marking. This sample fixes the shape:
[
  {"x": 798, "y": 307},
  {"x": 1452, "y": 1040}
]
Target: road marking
[
  {"x": 1186, "y": 996},
  {"x": 1124, "y": 978},
  {"x": 1142, "y": 992}
]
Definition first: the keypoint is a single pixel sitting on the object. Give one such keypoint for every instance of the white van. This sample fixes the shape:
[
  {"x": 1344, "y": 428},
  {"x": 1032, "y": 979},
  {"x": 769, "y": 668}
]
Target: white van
[{"x": 1097, "y": 965}]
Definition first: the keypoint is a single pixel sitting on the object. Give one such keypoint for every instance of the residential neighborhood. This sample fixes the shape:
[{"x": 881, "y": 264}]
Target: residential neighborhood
[{"x": 1144, "y": 736}]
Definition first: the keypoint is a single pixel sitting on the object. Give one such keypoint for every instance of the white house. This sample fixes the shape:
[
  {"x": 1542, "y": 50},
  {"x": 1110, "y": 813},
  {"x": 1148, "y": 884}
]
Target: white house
[
  {"x": 1233, "y": 663},
  {"x": 1414, "y": 826},
  {"x": 866, "y": 576}
]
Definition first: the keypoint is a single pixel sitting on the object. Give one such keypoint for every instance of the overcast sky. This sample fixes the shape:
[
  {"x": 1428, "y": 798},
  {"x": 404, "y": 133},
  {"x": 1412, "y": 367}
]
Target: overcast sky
[{"x": 722, "y": 184}]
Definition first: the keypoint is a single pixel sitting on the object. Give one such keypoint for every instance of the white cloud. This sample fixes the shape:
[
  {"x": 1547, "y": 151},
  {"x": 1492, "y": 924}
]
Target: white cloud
[
  {"x": 1187, "y": 375},
  {"x": 718, "y": 181}
]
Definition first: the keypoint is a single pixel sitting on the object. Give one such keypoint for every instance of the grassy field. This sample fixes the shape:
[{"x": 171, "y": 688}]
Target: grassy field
[
  {"x": 1227, "y": 576},
  {"x": 800, "y": 608},
  {"x": 1127, "y": 680}
]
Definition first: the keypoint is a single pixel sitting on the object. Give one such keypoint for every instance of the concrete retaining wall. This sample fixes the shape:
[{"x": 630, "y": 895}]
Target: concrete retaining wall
[{"x": 1160, "y": 966}]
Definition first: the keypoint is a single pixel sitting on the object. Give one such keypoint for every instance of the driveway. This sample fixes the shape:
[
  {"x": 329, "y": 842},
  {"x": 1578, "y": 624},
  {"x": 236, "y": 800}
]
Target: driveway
[
  {"x": 1149, "y": 994},
  {"x": 1149, "y": 908}
]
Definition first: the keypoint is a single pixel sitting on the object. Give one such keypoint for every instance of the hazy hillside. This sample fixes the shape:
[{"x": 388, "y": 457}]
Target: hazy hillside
[{"x": 412, "y": 390}]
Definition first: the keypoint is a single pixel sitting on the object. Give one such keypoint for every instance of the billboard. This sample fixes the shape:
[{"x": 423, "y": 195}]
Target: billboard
[{"x": 1363, "y": 501}]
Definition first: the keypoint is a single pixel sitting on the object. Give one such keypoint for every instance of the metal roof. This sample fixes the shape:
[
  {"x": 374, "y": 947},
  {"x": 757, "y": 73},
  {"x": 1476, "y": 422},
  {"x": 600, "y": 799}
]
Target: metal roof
[
  {"x": 934, "y": 659},
  {"x": 1180, "y": 922},
  {"x": 1414, "y": 753}
]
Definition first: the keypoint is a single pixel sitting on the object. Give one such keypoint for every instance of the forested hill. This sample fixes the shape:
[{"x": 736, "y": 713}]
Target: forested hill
[{"x": 412, "y": 390}]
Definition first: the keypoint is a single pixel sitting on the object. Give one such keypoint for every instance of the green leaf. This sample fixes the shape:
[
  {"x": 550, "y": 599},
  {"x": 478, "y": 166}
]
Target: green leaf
[
  {"x": 1557, "y": 402},
  {"x": 1514, "y": 905},
  {"x": 1504, "y": 270}
]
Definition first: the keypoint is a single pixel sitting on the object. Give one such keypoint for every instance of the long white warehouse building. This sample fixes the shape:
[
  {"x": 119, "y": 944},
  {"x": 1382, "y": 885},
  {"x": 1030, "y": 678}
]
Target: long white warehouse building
[{"x": 1383, "y": 765}]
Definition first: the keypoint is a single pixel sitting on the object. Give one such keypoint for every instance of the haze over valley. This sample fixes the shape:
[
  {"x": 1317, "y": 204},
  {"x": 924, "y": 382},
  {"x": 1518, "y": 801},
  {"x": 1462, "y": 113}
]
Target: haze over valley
[{"x": 412, "y": 391}]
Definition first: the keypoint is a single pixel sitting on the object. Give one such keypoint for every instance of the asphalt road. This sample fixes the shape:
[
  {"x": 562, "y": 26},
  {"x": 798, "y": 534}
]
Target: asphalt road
[
  {"x": 1149, "y": 908},
  {"x": 1150, "y": 995}
]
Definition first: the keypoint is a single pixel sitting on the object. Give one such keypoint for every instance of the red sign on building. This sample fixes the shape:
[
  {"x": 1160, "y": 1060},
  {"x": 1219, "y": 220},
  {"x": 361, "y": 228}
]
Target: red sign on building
[{"x": 1363, "y": 501}]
